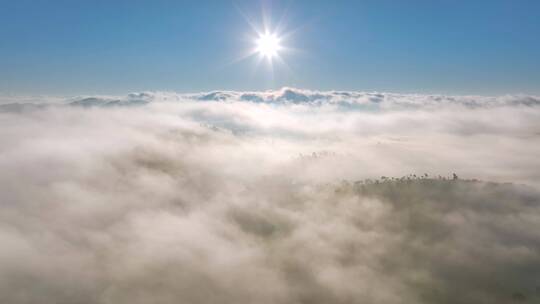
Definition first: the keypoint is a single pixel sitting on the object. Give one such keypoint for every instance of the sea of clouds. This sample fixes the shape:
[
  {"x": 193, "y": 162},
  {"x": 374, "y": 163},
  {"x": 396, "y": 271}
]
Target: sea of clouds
[{"x": 261, "y": 197}]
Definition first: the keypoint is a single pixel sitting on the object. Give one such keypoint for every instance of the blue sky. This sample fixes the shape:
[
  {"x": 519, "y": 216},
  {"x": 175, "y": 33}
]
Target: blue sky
[{"x": 110, "y": 47}]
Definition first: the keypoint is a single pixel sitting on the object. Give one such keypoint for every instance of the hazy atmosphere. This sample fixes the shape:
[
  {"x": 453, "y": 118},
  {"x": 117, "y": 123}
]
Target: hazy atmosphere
[{"x": 202, "y": 169}]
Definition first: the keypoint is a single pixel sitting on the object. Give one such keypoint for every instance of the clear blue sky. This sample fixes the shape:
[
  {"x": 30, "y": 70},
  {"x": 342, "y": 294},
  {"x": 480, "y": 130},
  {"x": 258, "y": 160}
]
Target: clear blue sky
[{"x": 110, "y": 47}]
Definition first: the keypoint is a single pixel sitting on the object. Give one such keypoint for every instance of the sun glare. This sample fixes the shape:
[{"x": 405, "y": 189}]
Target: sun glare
[{"x": 268, "y": 45}]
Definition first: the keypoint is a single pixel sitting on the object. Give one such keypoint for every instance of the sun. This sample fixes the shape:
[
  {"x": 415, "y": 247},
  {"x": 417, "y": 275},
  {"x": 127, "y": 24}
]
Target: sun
[{"x": 268, "y": 45}]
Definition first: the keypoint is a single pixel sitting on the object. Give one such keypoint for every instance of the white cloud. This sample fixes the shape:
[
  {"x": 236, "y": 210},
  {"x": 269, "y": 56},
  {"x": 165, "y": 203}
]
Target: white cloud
[
  {"x": 350, "y": 99},
  {"x": 252, "y": 199}
]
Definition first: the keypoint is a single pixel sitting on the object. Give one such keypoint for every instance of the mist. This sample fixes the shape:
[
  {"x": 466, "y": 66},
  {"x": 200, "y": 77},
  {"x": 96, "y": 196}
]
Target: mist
[{"x": 289, "y": 196}]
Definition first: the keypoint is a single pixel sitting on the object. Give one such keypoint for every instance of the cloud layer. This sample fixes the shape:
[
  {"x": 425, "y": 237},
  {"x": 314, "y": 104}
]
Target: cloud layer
[
  {"x": 242, "y": 197},
  {"x": 351, "y": 99}
]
